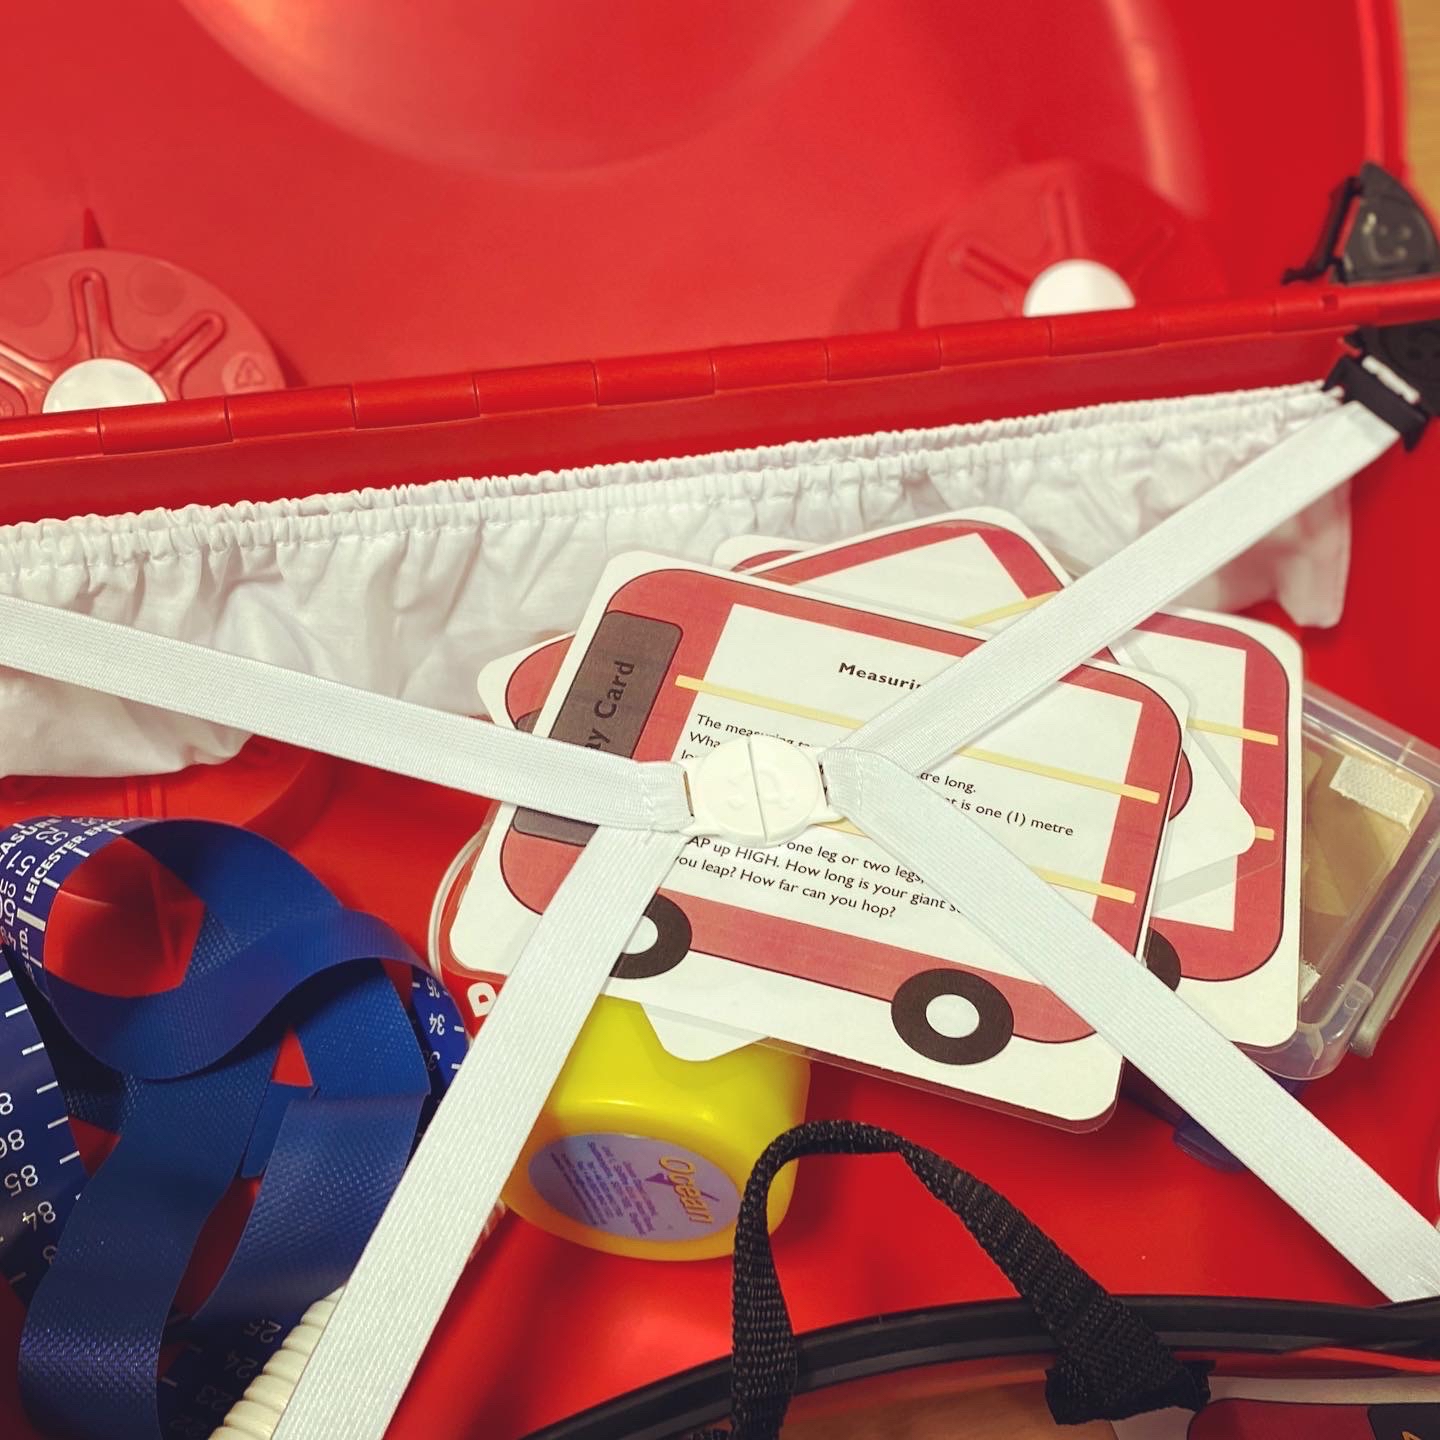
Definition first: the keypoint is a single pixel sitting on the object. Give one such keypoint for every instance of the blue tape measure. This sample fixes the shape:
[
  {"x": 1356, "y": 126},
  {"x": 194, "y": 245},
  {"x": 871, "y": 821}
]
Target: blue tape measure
[
  {"x": 185, "y": 1078},
  {"x": 36, "y": 1147},
  {"x": 40, "y": 1171}
]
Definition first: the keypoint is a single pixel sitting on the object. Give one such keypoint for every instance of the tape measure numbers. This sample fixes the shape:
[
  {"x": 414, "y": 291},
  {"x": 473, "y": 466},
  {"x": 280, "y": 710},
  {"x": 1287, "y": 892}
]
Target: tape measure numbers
[{"x": 274, "y": 950}]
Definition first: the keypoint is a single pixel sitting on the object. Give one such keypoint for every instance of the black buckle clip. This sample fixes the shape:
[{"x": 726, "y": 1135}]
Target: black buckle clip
[
  {"x": 1411, "y": 353},
  {"x": 1387, "y": 237}
]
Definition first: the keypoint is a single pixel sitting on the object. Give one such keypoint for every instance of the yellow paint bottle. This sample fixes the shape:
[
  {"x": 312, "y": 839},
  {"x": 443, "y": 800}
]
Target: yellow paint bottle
[{"x": 641, "y": 1154}]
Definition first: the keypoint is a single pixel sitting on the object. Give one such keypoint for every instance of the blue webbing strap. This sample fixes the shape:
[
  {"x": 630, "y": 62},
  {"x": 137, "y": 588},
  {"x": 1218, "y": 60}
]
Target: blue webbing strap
[{"x": 185, "y": 1077}]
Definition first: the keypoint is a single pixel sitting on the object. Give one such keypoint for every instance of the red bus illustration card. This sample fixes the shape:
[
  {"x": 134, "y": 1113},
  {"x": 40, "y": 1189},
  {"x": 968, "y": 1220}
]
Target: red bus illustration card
[
  {"x": 975, "y": 569},
  {"x": 825, "y": 944},
  {"x": 981, "y": 569},
  {"x": 1230, "y": 916},
  {"x": 1227, "y": 918}
]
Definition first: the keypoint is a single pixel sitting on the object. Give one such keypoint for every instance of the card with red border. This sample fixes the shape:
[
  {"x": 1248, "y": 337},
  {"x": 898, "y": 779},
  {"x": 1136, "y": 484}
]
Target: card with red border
[{"x": 1231, "y": 921}]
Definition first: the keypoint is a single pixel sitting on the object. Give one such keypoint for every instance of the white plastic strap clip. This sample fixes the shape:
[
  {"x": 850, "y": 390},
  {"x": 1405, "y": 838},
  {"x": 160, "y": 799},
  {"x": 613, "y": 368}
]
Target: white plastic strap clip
[{"x": 756, "y": 790}]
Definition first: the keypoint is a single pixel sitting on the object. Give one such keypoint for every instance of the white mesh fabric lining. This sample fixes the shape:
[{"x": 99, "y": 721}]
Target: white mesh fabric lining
[{"x": 408, "y": 591}]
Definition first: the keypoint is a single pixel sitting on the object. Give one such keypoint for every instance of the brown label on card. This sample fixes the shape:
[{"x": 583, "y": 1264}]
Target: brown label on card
[{"x": 609, "y": 702}]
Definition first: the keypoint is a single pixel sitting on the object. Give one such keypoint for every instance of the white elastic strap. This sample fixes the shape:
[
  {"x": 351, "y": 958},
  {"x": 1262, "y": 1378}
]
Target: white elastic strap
[
  {"x": 340, "y": 720},
  {"x": 392, "y": 1301},
  {"x": 1280, "y": 1141},
  {"x": 928, "y": 725}
]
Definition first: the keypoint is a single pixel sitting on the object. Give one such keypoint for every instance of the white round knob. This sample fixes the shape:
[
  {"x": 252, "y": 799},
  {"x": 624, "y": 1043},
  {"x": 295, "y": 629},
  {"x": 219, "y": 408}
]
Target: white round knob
[
  {"x": 100, "y": 383},
  {"x": 1070, "y": 287}
]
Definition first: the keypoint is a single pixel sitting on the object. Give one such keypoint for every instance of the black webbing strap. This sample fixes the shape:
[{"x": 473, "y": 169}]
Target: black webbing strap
[{"x": 1110, "y": 1363}]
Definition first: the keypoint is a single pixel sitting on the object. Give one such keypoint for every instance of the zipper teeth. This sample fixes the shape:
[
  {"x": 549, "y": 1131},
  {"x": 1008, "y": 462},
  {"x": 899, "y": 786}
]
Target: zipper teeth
[{"x": 257, "y": 1414}]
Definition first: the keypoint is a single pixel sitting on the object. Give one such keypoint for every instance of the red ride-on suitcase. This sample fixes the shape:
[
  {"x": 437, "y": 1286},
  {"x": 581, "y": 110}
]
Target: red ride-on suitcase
[{"x": 427, "y": 273}]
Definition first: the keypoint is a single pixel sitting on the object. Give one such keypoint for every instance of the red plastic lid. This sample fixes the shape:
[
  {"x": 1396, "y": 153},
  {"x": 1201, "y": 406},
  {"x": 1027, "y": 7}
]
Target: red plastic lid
[
  {"x": 406, "y": 190},
  {"x": 394, "y": 190}
]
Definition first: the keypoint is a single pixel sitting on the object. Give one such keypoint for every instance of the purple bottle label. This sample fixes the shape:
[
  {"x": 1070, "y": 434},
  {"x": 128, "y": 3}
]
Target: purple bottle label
[{"x": 635, "y": 1187}]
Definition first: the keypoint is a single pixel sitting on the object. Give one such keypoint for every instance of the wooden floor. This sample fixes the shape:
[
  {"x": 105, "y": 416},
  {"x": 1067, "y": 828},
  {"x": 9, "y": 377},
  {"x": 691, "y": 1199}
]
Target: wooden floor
[
  {"x": 1020, "y": 1414},
  {"x": 1422, "y": 56}
]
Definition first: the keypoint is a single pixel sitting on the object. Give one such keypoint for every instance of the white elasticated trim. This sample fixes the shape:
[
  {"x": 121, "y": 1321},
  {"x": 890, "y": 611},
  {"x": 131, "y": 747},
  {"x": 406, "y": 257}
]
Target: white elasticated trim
[{"x": 408, "y": 591}]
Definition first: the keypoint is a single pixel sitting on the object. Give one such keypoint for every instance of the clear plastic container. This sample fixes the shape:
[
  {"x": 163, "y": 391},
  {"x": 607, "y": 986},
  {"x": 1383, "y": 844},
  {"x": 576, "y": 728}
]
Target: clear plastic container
[{"x": 1370, "y": 906}]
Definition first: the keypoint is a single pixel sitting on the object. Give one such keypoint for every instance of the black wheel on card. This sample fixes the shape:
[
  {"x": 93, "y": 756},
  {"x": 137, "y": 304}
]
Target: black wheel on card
[
  {"x": 977, "y": 1027},
  {"x": 663, "y": 950},
  {"x": 1162, "y": 959}
]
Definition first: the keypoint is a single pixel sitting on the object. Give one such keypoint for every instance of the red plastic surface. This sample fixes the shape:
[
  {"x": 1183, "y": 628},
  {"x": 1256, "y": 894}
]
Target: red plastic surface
[
  {"x": 393, "y": 190},
  {"x": 794, "y": 184},
  {"x": 548, "y": 416},
  {"x": 1032, "y": 217}
]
